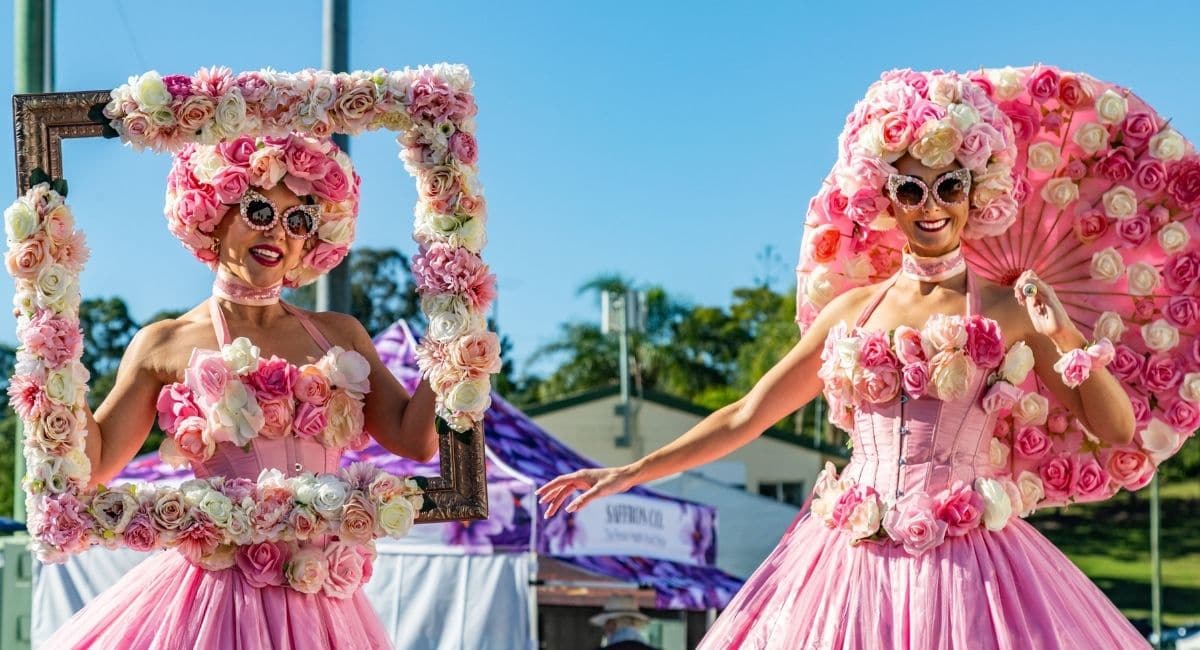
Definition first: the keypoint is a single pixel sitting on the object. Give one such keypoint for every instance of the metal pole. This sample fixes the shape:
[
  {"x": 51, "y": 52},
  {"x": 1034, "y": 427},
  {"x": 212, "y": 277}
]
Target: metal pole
[
  {"x": 1155, "y": 565},
  {"x": 623, "y": 363},
  {"x": 33, "y": 72},
  {"x": 333, "y": 288}
]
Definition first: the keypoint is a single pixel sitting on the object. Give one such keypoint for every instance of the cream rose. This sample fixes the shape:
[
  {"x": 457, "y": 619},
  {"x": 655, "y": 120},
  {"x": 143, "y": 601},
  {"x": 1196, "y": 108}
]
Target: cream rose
[
  {"x": 1032, "y": 408},
  {"x": 20, "y": 221},
  {"x": 964, "y": 116},
  {"x": 1032, "y": 492},
  {"x": 206, "y": 162},
  {"x": 1111, "y": 107},
  {"x": 471, "y": 235},
  {"x": 1091, "y": 138},
  {"x": 936, "y": 143},
  {"x": 1109, "y": 326},
  {"x": 1143, "y": 278},
  {"x": 1159, "y": 439},
  {"x": 998, "y": 454},
  {"x": 217, "y": 506},
  {"x": 1007, "y": 83},
  {"x": 1160, "y": 335},
  {"x": 1190, "y": 388},
  {"x": 950, "y": 373},
  {"x": 1120, "y": 202},
  {"x": 241, "y": 356},
  {"x": 470, "y": 396},
  {"x": 944, "y": 91},
  {"x": 149, "y": 91},
  {"x": 996, "y": 181},
  {"x": 1043, "y": 157},
  {"x": 1173, "y": 238},
  {"x": 864, "y": 520},
  {"x": 230, "y": 114},
  {"x": 396, "y": 517},
  {"x": 1167, "y": 145},
  {"x": 997, "y": 507},
  {"x": 1107, "y": 265},
  {"x": 821, "y": 286},
  {"x": 449, "y": 317},
  {"x": 1018, "y": 361},
  {"x": 1060, "y": 192},
  {"x": 338, "y": 233}
]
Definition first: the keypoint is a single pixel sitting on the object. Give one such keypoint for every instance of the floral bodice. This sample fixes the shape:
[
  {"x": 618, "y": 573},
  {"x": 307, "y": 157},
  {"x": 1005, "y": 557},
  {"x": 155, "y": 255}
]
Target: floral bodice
[{"x": 236, "y": 414}]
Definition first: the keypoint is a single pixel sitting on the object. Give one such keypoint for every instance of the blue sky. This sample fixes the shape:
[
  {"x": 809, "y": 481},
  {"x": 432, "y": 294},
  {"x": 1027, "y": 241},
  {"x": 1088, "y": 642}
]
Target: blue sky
[{"x": 669, "y": 142}]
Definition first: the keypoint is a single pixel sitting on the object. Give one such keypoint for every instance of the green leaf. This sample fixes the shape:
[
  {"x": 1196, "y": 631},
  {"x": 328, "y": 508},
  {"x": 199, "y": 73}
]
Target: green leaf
[
  {"x": 96, "y": 114},
  {"x": 109, "y": 133},
  {"x": 442, "y": 427},
  {"x": 426, "y": 504},
  {"x": 38, "y": 176},
  {"x": 60, "y": 186},
  {"x": 421, "y": 481}
]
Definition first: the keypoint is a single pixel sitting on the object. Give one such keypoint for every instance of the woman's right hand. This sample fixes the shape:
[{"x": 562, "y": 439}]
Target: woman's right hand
[{"x": 595, "y": 483}]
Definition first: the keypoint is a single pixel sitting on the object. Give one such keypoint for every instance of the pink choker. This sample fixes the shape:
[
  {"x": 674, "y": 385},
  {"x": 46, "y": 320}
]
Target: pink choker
[
  {"x": 228, "y": 287},
  {"x": 932, "y": 269}
]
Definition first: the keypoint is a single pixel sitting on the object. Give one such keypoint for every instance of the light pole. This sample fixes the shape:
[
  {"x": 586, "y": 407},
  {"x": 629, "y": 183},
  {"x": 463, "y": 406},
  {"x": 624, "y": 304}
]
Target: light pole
[
  {"x": 624, "y": 312},
  {"x": 333, "y": 288}
]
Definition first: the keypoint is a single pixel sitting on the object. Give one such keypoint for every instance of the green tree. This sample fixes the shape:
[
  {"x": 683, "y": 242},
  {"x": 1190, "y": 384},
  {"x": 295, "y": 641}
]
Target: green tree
[{"x": 381, "y": 290}]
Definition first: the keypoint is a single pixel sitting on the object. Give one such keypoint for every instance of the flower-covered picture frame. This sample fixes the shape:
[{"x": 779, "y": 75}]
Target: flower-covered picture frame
[{"x": 431, "y": 108}]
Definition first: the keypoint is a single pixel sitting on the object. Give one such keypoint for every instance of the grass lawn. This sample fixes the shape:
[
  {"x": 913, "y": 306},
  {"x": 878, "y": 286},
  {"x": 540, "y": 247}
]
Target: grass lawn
[{"x": 1110, "y": 542}]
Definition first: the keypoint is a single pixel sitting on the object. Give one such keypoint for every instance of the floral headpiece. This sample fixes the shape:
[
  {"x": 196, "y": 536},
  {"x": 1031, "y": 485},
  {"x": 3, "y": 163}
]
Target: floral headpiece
[
  {"x": 935, "y": 117},
  {"x": 204, "y": 179}
]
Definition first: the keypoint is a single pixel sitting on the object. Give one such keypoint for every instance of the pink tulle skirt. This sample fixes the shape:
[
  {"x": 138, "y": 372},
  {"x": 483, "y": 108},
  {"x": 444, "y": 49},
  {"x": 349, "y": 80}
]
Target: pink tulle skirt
[
  {"x": 1009, "y": 589},
  {"x": 167, "y": 602}
]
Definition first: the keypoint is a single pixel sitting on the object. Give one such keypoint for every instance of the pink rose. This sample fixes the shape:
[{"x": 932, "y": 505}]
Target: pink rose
[
  {"x": 1127, "y": 364},
  {"x": 237, "y": 152},
  {"x": 1001, "y": 396},
  {"x": 834, "y": 202},
  {"x": 865, "y": 205},
  {"x": 823, "y": 244},
  {"x": 1180, "y": 271},
  {"x": 1031, "y": 442},
  {"x": 1182, "y": 311},
  {"x": 1141, "y": 408},
  {"x": 198, "y": 538},
  {"x": 1043, "y": 85},
  {"x": 231, "y": 183},
  {"x": 1135, "y": 229},
  {"x": 961, "y": 508},
  {"x": 1076, "y": 170},
  {"x": 277, "y": 417},
  {"x": 271, "y": 513},
  {"x": 1075, "y": 366},
  {"x": 310, "y": 420},
  {"x": 914, "y": 524},
  {"x": 1150, "y": 175},
  {"x": 1003, "y": 428},
  {"x": 207, "y": 377},
  {"x": 262, "y": 564},
  {"x": 980, "y": 79},
  {"x": 1073, "y": 93},
  {"x": 477, "y": 354},
  {"x": 1090, "y": 225},
  {"x": 977, "y": 145},
  {"x": 140, "y": 534},
  {"x": 875, "y": 352},
  {"x": 344, "y": 419},
  {"x": 193, "y": 440},
  {"x": 471, "y": 206},
  {"x": 358, "y": 519},
  {"x": 305, "y": 159},
  {"x": 1057, "y": 421},
  {"x": 896, "y": 131},
  {"x": 311, "y": 386},
  {"x": 274, "y": 377},
  {"x": 56, "y": 431},
  {"x": 916, "y": 378},
  {"x": 1093, "y": 482},
  {"x": 1182, "y": 415},
  {"x": 55, "y": 339},
  {"x": 924, "y": 111},
  {"x": 1026, "y": 121},
  {"x": 1139, "y": 126},
  {"x": 1183, "y": 182},
  {"x": 1116, "y": 165},
  {"x": 26, "y": 260},
  {"x": 439, "y": 185},
  {"x": 1130, "y": 468},
  {"x": 345, "y": 570},
  {"x": 908, "y": 345},
  {"x": 307, "y": 570},
  {"x": 193, "y": 113},
  {"x": 945, "y": 332},
  {"x": 985, "y": 344},
  {"x": 1163, "y": 372},
  {"x": 325, "y": 256},
  {"x": 267, "y": 167},
  {"x": 1059, "y": 476},
  {"x": 306, "y": 523},
  {"x": 333, "y": 185},
  {"x": 464, "y": 148}
]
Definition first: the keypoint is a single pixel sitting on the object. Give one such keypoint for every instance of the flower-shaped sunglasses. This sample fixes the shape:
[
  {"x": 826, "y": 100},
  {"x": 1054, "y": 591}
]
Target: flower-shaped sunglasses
[
  {"x": 260, "y": 213},
  {"x": 950, "y": 190}
]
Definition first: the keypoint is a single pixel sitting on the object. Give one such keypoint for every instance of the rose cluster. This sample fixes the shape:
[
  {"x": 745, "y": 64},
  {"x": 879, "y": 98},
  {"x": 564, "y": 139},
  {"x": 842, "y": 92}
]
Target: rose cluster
[{"x": 232, "y": 395}]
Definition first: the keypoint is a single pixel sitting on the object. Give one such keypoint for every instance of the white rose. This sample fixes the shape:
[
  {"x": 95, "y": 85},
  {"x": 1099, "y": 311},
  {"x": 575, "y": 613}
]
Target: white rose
[
  {"x": 239, "y": 527},
  {"x": 864, "y": 520},
  {"x": 870, "y": 140},
  {"x": 470, "y": 235},
  {"x": 821, "y": 286},
  {"x": 77, "y": 465},
  {"x": 994, "y": 182},
  {"x": 1159, "y": 439},
  {"x": 964, "y": 116},
  {"x": 345, "y": 368},
  {"x": 1032, "y": 408},
  {"x": 1160, "y": 335},
  {"x": 48, "y": 476},
  {"x": 1060, "y": 192},
  {"x": 236, "y": 415},
  {"x": 230, "y": 114},
  {"x": 1120, "y": 202},
  {"x": 998, "y": 454},
  {"x": 944, "y": 91},
  {"x": 1018, "y": 361},
  {"x": 338, "y": 233},
  {"x": 396, "y": 517},
  {"x": 25, "y": 302},
  {"x": 1190, "y": 388},
  {"x": 1007, "y": 83},
  {"x": 217, "y": 506},
  {"x": 470, "y": 396},
  {"x": 149, "y": 91},
  {"x": 1173, "y": 238},
  {"x": 241, "y": 356},
  {"x": 997, "y": 507},
  {"x": 53, "y": 283},
  {"x": 20, "y": 221},
  {"x": 859, "y": 267},
  {"x": 304, "y": 487},
  {"x": 449, "y": 317},
  {"x": 1091, "y": 138},
  {"x": 936, "y": 143},
  {"x": 1111, "y": 108},
  {"x": 61, "y": 386},
  {"x": 1107, "y": 265},
  {"x": 1032, "y": 491},
  {"x": 161, "y": 117},
  {"x": 1143, "y": 278},
  {"x": 1109, "y": 326},
  {"x": 1043, "y": 157},
  {"x": 331, "y": 494},
  {"x": 206, "y": 163},
  {"x": 1168, "y": 145}
]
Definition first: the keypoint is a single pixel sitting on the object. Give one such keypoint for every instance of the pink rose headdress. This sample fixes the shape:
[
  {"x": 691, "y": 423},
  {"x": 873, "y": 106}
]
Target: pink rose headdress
[{"x": 206, "y": 179}]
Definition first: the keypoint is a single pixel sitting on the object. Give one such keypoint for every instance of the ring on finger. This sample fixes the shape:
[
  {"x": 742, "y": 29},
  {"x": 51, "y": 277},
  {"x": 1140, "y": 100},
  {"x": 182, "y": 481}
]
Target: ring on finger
[{"x": 1029, "y": 289}]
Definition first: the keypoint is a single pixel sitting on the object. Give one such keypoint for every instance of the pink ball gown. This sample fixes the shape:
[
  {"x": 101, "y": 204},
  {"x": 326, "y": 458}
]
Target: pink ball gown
[
  {"x": 963, "y": 585},
  {"x": 169, "y": 602}
]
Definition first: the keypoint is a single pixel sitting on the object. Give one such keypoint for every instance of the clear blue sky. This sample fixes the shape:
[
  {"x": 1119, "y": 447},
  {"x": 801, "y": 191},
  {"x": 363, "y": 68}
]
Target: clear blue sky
[{"x": 667, "y": 141}]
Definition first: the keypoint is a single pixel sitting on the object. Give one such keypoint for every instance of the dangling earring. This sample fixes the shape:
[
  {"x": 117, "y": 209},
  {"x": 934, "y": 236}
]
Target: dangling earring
[{"x": 215, "y": 246}]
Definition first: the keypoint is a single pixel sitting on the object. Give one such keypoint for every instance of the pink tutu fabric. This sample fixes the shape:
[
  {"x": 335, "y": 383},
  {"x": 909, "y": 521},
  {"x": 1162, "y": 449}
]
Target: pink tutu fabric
[{"x": 1006, "y": 589}]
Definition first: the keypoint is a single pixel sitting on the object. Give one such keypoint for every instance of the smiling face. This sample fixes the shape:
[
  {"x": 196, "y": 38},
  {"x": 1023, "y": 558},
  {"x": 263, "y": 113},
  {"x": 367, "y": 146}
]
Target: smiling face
[
  {"x": 932, "y": 228},
  {"x": 260, "y": 258}
]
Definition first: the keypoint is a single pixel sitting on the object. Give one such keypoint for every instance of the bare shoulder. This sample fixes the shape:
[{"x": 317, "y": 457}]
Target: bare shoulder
[
  {"x": 846, "y": 306},
  {"x": 341, "y": 329}
]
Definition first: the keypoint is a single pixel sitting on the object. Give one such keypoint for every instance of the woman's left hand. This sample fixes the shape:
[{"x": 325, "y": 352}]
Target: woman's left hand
[{"x": 1046, "y": 311}]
